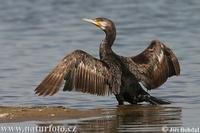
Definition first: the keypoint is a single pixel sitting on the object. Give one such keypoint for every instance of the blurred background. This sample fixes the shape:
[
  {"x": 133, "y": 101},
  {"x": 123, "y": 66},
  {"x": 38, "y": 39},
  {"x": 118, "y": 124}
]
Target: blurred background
[{"x": 36, "y": 34}]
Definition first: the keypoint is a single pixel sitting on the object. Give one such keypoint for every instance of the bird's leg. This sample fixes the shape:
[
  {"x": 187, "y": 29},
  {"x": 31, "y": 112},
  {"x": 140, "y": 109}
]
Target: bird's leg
[
  {"x": 143, "y": 98},
  {"x": 120, "y": 99},
  {"x": 132, "y": 100}
]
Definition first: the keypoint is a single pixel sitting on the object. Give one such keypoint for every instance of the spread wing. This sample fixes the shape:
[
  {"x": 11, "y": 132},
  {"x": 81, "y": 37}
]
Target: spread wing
[
  {"x": 81, "y": 71},
  {"x": 154, "y": 65}
]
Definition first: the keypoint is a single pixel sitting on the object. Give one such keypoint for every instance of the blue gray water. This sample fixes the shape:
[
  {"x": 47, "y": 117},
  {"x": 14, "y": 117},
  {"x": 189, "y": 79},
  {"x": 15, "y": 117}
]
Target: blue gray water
[{"x": 36, "y": 34}]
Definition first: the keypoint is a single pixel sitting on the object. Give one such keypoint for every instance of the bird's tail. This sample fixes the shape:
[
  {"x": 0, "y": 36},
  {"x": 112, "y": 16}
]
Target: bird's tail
[
  {"x": 145, "y": 96},
  {"x": 156, "y": 101}
]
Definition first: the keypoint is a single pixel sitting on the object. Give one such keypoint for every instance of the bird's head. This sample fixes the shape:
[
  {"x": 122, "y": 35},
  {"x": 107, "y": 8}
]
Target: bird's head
[{"x": 103, "y": 23}]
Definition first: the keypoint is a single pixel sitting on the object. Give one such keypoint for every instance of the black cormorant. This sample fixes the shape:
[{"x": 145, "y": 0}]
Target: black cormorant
[{"x": 113, "y": 73}]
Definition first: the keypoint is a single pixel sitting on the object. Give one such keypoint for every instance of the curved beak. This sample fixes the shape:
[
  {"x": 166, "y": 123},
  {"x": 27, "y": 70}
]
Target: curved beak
[{"x": 92, "y": 21}]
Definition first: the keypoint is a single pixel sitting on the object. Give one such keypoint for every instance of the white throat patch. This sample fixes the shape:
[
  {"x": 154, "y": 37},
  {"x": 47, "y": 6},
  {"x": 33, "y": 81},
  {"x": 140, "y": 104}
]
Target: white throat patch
[{"x": 160, "y": 56}]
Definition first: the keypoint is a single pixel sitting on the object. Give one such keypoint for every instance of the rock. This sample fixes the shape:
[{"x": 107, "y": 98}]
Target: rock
[
  {"x": 4, "y": 115},
  {"x": 53, "y": 115}
]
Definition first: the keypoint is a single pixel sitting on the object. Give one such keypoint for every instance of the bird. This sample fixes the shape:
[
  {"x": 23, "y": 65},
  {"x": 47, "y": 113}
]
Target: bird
[{"x": 128, "y": 78}]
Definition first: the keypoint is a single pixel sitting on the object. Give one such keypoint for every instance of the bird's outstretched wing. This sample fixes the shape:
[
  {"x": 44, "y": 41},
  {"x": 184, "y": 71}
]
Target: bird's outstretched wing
[
  {"x": 81, "y": 71},
  {"x": 154, "y": 65}
]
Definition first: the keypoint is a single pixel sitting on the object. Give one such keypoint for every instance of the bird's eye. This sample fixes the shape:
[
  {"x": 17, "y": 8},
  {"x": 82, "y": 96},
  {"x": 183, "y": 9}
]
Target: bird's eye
[{"x": 103, "y": 24}]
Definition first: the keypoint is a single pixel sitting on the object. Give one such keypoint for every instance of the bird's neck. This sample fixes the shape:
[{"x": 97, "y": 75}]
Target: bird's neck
[
  {"x": 110, "y": 37},
  {"x": 106, "y": 44}
]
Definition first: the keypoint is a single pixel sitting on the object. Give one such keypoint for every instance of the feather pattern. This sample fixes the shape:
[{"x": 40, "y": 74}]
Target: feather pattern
[
  {"x": 79, "y": 70},
  {"x": 154, "y": 65}
]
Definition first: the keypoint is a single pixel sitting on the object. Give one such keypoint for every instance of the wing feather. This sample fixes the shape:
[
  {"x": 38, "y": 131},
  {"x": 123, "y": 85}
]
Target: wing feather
[
  {"x": 173, "y": 62},
  {"x": 154, "y": 65},
  {"x": 79, "y": 70}
]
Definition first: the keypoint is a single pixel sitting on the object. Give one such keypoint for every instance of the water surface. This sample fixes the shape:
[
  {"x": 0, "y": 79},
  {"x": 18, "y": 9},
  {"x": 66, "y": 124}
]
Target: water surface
[{"x": 35, "y": 35}]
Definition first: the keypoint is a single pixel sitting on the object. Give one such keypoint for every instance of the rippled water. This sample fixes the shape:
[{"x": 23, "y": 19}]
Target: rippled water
[{"x": 36, "y": 34}]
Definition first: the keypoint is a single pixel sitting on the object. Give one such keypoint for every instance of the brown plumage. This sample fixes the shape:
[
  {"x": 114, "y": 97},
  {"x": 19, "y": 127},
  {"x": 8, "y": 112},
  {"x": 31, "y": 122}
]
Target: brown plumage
[
  {"x": 154, "y": 65},
  {"x": 81, "y": 71},
  {"x": 113, "y": 73}
]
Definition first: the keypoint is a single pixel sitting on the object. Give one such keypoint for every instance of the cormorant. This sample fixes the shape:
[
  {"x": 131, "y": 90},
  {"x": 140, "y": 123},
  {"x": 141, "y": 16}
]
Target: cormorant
[{"x": 113, "y": 73}]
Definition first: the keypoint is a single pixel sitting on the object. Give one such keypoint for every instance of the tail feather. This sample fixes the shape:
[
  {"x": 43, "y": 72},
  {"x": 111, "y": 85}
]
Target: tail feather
[
  {"x": 157, "y": 101},
  {"x": 145, "y": 96}
]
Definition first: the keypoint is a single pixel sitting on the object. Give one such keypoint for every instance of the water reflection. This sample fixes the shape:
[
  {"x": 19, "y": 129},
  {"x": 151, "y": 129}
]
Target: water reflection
[{"x": 128, "y": 118}]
